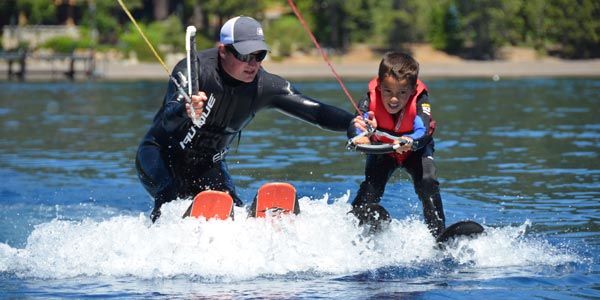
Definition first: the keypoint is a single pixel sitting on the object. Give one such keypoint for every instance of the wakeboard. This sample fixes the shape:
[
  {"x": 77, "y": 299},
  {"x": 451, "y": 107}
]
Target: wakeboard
[
  {"x": 461, "y": 228},
  {"x": 211, "y": 205},
  {"x": 274, "y": 199}
]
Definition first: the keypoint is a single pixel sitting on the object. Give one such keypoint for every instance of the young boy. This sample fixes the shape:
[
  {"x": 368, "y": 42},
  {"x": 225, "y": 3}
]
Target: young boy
[{"x": 399, "y": 113}]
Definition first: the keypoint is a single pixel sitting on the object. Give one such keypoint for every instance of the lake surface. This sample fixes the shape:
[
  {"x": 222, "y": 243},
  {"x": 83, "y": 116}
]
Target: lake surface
[{"x": 519, "y": 156}]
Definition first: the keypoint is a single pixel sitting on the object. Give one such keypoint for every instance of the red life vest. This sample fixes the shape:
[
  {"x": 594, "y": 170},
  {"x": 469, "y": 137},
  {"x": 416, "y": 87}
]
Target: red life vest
[{"x": 385, "y": 121}]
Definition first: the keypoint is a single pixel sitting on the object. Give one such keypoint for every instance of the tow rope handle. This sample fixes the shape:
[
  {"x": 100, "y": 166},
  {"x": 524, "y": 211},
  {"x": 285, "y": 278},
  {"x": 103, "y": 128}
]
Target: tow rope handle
[
  {"x": 192, "y": 72},
  {"x": 381, "y": 148}
]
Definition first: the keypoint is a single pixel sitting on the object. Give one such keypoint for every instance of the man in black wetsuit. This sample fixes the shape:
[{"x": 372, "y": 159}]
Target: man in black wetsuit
[{"x": 178, "y": 158}]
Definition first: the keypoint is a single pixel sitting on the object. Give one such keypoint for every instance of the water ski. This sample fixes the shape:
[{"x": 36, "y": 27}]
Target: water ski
[
  {"x": 274, "y": 199},
  {"x": 211, "y": 205},
  {"x": 462, "y": 228}
]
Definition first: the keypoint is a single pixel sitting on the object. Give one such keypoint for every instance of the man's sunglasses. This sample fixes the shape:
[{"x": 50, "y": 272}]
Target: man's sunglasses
[{"x": 246, "y": 57}]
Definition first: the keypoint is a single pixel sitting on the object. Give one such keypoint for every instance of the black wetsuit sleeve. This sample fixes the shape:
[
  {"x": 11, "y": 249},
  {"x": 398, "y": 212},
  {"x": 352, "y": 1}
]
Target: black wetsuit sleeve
[
  {"x": 423, "y": 112},
  {"x": 288, "y": 100},
  {"x": 174, "y": 114}
]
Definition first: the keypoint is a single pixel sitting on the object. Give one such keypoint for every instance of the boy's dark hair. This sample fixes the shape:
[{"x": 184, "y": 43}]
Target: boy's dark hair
[{"x": 400, "y": 66}]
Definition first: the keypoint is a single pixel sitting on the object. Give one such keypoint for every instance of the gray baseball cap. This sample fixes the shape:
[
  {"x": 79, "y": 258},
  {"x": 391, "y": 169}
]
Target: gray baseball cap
[{"x": 245, "y": 34}]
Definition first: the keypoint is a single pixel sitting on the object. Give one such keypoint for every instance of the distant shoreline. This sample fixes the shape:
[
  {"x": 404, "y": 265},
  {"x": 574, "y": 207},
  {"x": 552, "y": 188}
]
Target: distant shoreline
[
  {"x": 359, "y": 63},
  {"x": 363, "y": 70},
  {"x": 321, "y": 71},
  {"x": 463, "y": 69}
]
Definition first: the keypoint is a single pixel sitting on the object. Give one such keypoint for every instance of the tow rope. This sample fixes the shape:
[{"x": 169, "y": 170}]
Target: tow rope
[
  {"x": 179, "y": 84},
  {"x": 366, "y": 148},
  {"x": 314, "y": 40}
]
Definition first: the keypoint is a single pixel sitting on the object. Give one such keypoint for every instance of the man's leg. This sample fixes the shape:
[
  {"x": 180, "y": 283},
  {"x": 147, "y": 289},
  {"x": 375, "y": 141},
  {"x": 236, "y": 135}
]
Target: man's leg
[
  {"x": 155, "y": 177},
  {"x": 217, "y": 178}
]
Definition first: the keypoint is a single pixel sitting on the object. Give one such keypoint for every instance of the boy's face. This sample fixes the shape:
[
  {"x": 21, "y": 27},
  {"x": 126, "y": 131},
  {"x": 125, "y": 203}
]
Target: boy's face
[{"x": 395, "y": 93}]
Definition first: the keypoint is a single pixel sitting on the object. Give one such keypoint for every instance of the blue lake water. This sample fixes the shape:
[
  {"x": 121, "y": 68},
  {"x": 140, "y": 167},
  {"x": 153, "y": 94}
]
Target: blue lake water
[{"x": 519, "y": 156}]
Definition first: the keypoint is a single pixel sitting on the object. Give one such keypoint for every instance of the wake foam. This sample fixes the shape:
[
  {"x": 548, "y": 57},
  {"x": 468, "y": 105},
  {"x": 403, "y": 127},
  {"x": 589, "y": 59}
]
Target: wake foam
[{"x": 323, "y": 240}]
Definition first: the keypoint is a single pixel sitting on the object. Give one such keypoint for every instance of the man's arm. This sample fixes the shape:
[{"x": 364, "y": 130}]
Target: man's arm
[
  {"x": 174, "y": 113},
  {"x": 312, "y": 111},
  {"x": 281, "y": 95}
]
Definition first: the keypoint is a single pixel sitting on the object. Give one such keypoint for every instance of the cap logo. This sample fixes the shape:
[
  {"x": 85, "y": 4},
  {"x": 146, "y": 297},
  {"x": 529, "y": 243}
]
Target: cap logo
[{"x": 259, "y": 31}]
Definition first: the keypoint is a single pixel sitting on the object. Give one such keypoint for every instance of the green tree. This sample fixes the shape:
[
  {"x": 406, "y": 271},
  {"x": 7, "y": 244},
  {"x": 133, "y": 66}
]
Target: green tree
[
  {"x": 164, "y": 35},
  {"x": 286, "y": 35},
  {"x": 529, "y": 24},
  {"x": 8, "y": 12},
  {"x": 397, "y": 23},
  {"x": 487, "y": 25},
  {"x": 222, "y": 10},
  {"x": 338, "y": 24},
  {"x": 445, "y": 32},
  {"x": 38, "y": 11},
  {"x": 106, "y": 17},
  {"x": 329, "y": 21},
  {"x": 575, "y": 27}
]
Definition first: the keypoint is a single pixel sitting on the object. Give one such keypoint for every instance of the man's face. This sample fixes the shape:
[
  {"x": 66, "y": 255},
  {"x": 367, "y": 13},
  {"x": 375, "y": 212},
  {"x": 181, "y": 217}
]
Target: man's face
[
  {"x": 395, "y": 93},
  {"x": 240, "y": 70}
]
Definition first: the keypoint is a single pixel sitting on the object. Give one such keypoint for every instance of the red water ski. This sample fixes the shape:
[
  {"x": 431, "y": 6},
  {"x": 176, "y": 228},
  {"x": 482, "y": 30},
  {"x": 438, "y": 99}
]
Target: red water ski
[
  {"x": 274, "y": 199},
  {"x": 211, "y": 205}
]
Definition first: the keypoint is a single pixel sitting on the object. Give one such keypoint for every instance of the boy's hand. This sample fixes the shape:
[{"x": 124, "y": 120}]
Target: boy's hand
[
  {"x": 361, "y": 124},
  {"x": 407, "y": 141},
  {"x": 197, "y": 103},
  {"x": 362, "y": 140}
]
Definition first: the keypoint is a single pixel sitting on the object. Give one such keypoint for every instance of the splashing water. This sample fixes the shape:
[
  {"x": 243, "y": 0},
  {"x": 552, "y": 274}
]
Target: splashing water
[{"x": 323, "y": 240}]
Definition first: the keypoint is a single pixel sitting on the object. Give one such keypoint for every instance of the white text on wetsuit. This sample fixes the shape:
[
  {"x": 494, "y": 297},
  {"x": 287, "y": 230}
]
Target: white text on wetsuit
[
  {"x": 207, "y": 109},
  {"x": 192, "y": 132}
]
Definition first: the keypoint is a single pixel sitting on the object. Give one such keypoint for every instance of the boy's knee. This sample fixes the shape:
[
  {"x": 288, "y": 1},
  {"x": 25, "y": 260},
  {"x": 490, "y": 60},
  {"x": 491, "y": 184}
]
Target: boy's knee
[{"x": 428, "y": 167}]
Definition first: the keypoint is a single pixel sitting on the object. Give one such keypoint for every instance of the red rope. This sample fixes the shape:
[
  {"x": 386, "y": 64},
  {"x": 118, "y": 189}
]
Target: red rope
[{"x": 312, "y": 37}]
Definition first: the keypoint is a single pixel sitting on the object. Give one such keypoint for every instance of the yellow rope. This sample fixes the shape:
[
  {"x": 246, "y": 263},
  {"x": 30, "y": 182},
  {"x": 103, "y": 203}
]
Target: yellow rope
[{"x": 144, "y": 36}]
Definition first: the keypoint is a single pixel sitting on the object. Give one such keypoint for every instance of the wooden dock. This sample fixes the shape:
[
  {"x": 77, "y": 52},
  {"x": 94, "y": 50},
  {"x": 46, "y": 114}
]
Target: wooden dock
[{"x": 22, "y": 65}]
